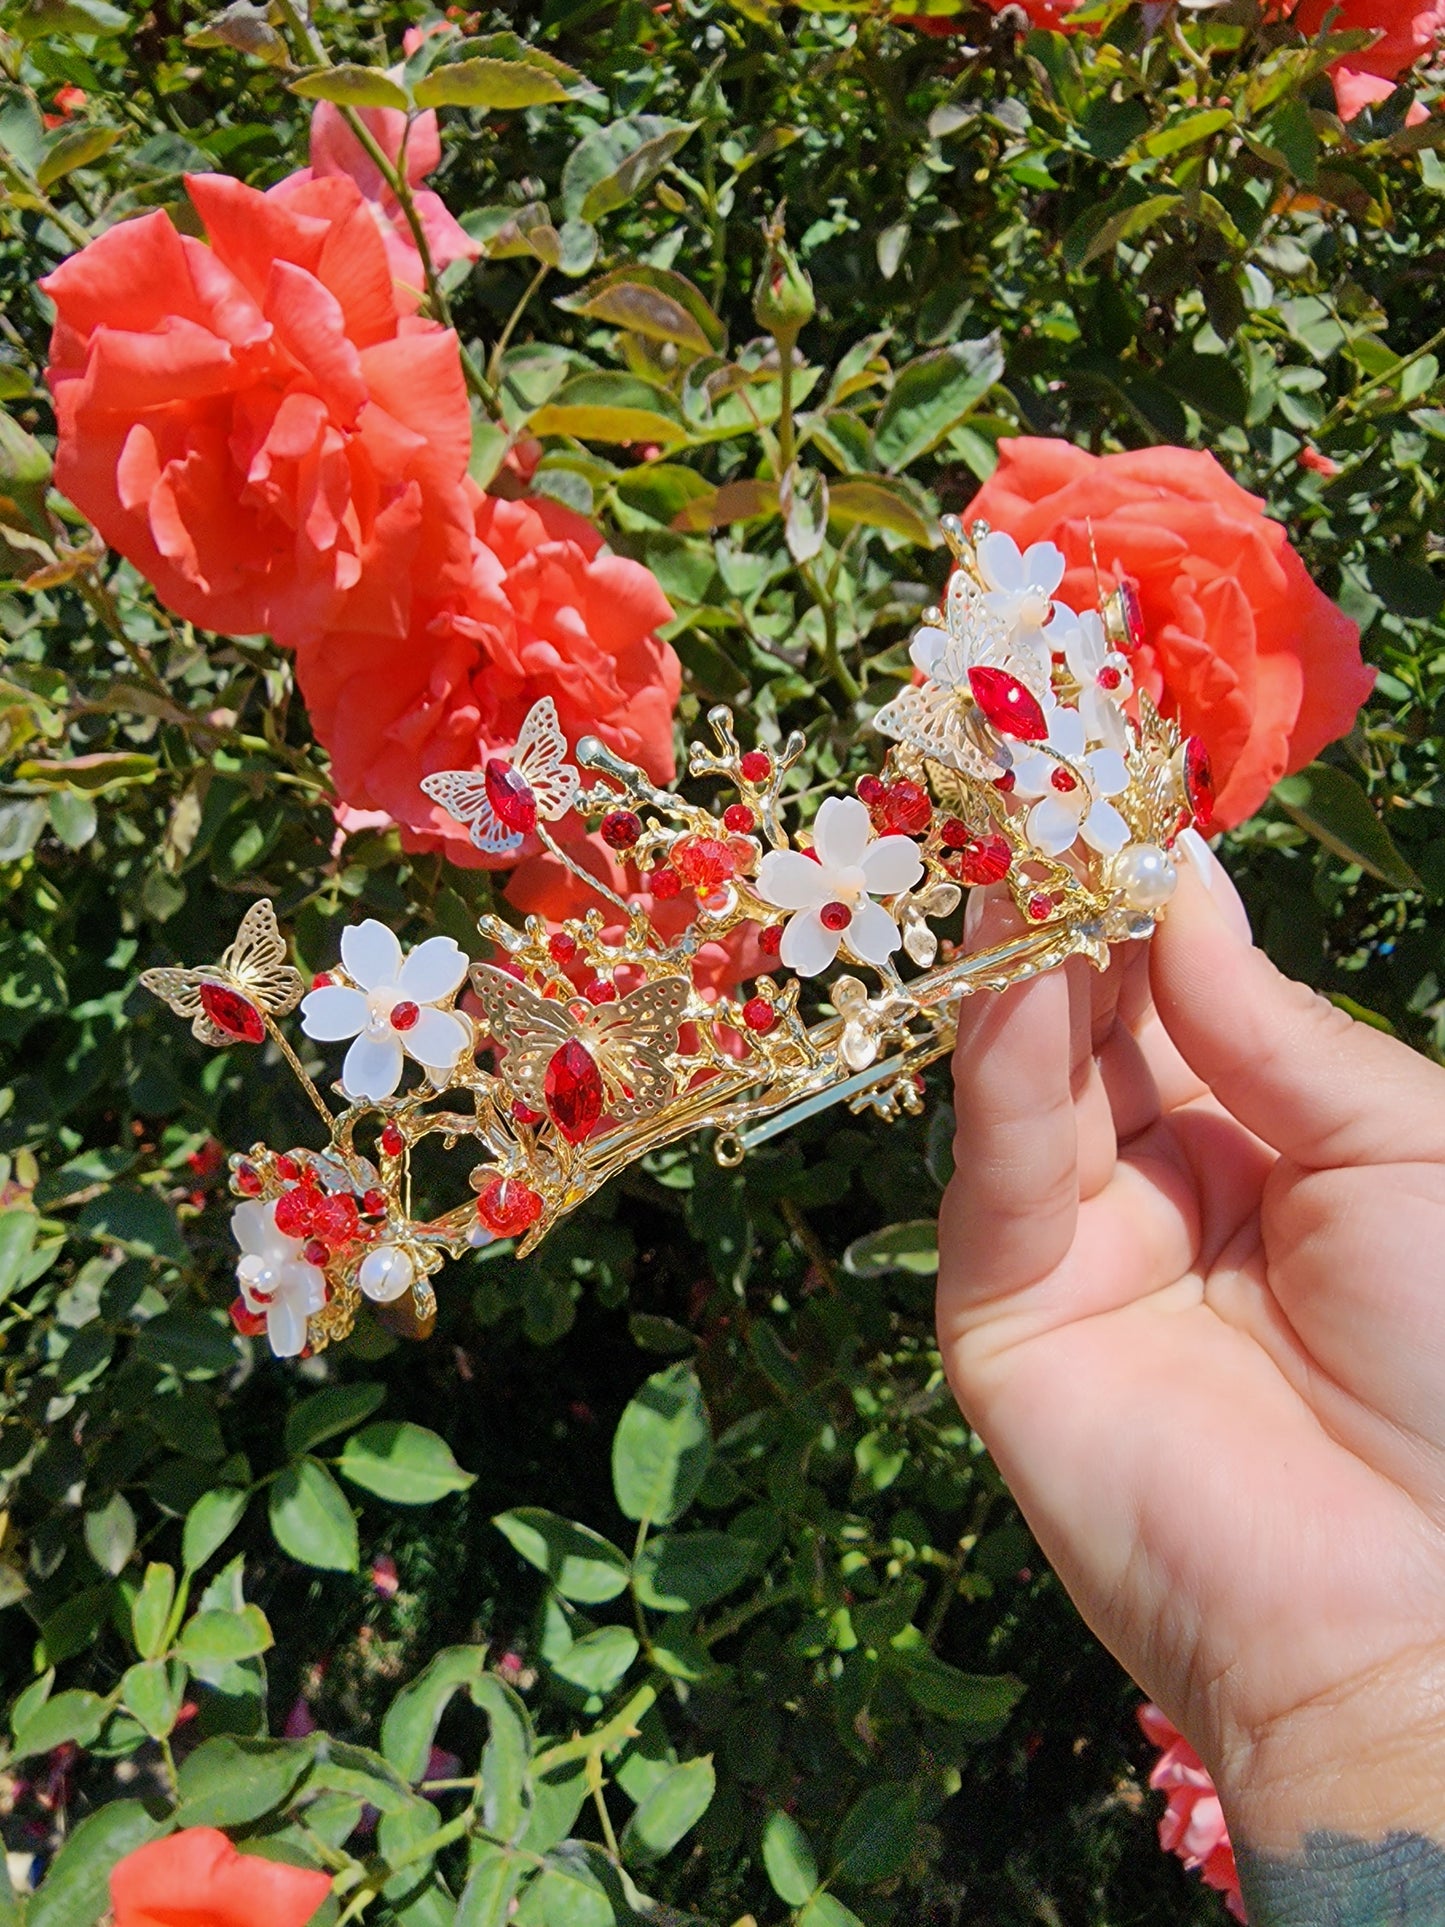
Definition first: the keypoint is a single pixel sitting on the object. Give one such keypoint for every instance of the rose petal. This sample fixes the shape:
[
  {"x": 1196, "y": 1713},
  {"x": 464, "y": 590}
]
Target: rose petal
[
  {"x": 807, "y": 947},
  {"x": 373, "y": 1067},
  {"x": 333, "y": 1012},
  {"x": 371, "y": 954},
  {"x": 433, "y": 970},
  {"x": 841, "y": 832}
]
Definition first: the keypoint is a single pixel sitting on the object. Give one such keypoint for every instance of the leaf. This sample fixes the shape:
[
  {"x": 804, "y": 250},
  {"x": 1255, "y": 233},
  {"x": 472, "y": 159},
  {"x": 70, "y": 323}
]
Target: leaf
[
  {"x": 322, "y": 1416},
  {"x": 215, "y": 1639},
  {"x": 880, "y": 502},
  {"x": 73, "y": 817},
  {"x": 742, "y": 501},
  {"x": 71, "y": 1717},
  {"x": 1188, "y": 132},
  {"x": 826, "y": 1910},
  {"x": 150, "y": 1610},
  {"x": 210, "y": 1522},
  {"x": 72, "y": 147},
  {"x": 682, "y": 1572},
  {"x": 38, "y": 19},
  {"x": 492, "y": 84},
  {"x": 403, "y": 1462},
  {"x": 409, "y": 1728},
  {"x": 311, "y": 1519},
  {"x": 20, "y": 1262},
  {"x": 613, "y": 163},
  {"x": 909, "y": 1247},
  {"x": 143, "y": 1222},
  {"x": 110, "y": 1534},
  {"x": 789, "y": 1860},
  {"x": 672, "y": 1809},
  {"x": 610, "y": 407},
  {"x": 597, "y": 1661},
  {"x": 231, "y": 1783},
  {"x": 153, "y": 1691},
  {"x": 656, "y": 303},
  {"x": 931, "y": 396},
  {"x": 980, "y": 1700},
  {"x": 662, "y": 1447},
  {"x": 76, "y": 1890},
  {"x": 350, "y": 86},
  {"x": 581, "y": 1564},
  {"x": 244, "y": 26},
  {"x": 878, "y": 1835},
  {"x": 565, "y": 1894},
  {"x": 506, "y": 1759},
  {"x": 1330, "y": 804},
  {"x": 96, "y": 774},
  {"x": 491, "y": 1887}
]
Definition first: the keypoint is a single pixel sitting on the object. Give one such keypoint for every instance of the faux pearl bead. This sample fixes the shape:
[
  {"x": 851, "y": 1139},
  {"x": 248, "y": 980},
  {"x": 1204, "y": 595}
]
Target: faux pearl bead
[
  {"x": 1144, "y": 876},
  {"x": 386, "y": 1273}
]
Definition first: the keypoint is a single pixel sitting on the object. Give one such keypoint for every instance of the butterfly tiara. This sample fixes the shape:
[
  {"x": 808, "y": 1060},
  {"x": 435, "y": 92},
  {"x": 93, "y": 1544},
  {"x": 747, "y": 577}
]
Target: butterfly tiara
[{"x": 1021, "y": 754}]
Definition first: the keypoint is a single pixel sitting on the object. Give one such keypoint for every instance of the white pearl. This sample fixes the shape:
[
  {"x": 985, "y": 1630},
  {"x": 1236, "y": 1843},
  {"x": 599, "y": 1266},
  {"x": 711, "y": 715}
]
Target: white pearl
[
  {"x": 1145, "y": 877},
  {"x": 386, "y": 1273}
]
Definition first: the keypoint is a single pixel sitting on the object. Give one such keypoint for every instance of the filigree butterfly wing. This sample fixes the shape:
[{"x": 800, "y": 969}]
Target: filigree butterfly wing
[
  {"x": 635, "y": 1037},
  {"x": 527, "y": 1028},
  {"x": 540, "y": 759},
  {"x": 932, "y": 720},
  {"x": 181, "y": 991},
  {"x": 462, "y": 793},
  {"x": 256, "y": 962}
]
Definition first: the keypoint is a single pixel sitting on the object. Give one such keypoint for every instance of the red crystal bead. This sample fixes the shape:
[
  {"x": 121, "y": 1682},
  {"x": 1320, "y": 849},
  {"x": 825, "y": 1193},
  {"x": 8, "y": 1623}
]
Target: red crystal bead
[
  {"x": 392, "y": 1141},
  {"x": 984, "y": 859},
  {"x": 835, "y": 916},
  {"x": 1132, "y": 614},
  {"x": 373, "y": 1203},
  {"x": 1012, "y": 709},
  {"x": 572, "y": 1088},
  {"x": 704, "y": 862},
  {"x": 247, "y": 1180},
  {"x": 232, "y": 1013},
  {"x": 871, "y": 790},
  {"x": 524, "y": 1114},
  {"x": 1004, "y": 784},
  {"x": 336, "y": 1218},
  {"x": 295, "y": 1211},
  {"x": 288, "y": 1170},
  {"x": 250, "y": 1324},
  {"x": 562, "y": 948},
  {"x": 756, "y": 766},
  {"x": 1064, "y": 782},
  {"x": 955, "y": 835},
  {"x": 404, "y": 1015},
  {"x": 510, "y": 796},
  {"x": 601, "y": 990},
  {"x": 906, "y": 809},
  {"x": 663, "y": 884},
  {"x": 506, "y": 1206},
  {"x": 314, "y": 1252},
  {"x": 321, "y": 980},
  {"x": 1040, "y": 905},
  {"x": 770, "y": 939},
  {"x": 759, "y": 1015},
  {"x": 621, "y": 829},
  {"x": 1108, "y": 677},
  {"x": 1199, "y": 782},
  {"x": 738, "y": 818}
]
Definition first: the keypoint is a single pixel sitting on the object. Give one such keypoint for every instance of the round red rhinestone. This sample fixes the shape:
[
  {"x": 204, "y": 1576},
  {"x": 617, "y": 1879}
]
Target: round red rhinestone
[
  {"x": 506, "y": 1206},
  {"x": 1040, "y": 905},
  {"x": 1108, "y": 677},
  {"x": 835, "y": 916},
  {"x": 704, "y": 862},
  {"x": 906, "y": 809},
  {"x": 250, "y": 1324},
  {"x": 572, "y": 1089},
  {"x": 392, "y": 1141},
  {"x": 314, "y": 1252},
  {"x": 1004, "y": 784},
  {"x": 663, "y": 884},
  {"x": 247, "y": 1180},
  {"x": 404, "y": 1015},
  {"x": 524, "y": 1114},
  {"x": 738, "y": 818},
  {"x": 955, "y": 835},
  {"x": 984, "y": 859},
  {"x": 759, "y": 1015},
  {"x": 373, "y": 1203},
  {"x": 871, "y": 790},
  {"x": 601, "y": 990},
  {"x": 336, "y": 1218},
  {"x": 510, "y": 796},
  {"x": 321, "y": 980},
  {"x": 756, "y": 766},
  {"x": 562, "y": 948},
  {"x": 1064, "y": 782},
  {"x": 288, "y": 1170},
  {"x": 770, "y": 939},
  {"x": 1199, "y": 782},
  {"x": 232, "y": 1013},
  {"x": 621, "y": 829},
  {"x": 295, "y": 1211},
  {"x": 1012, "y": 709}
]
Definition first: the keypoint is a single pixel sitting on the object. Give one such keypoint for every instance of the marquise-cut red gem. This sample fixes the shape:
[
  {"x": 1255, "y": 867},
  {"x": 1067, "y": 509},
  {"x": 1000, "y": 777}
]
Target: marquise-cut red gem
[
  {"x": 572, "y": 1089},
  {"x": 229, "y": 1011},
  {"x": 250, "y": 1324},
  {"x": 1199, "y": 781},
  {"x": 1012, "y": 709},
  {"x": 510, "y": 796},
  {"x": 392, "y": 1141},
  {"x": 247, "y": 1180},
  {"x": 506, "y": 1206},
  {"x": 1133, "y": 615},
  {"x": 983, "y": 859},
  {"x": 704, "y": 862}
]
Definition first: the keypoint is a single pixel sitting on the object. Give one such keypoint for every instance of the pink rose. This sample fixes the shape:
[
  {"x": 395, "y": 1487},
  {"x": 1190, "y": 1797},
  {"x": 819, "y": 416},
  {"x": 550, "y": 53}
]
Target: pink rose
[{"x": 1193, "y": 1826}]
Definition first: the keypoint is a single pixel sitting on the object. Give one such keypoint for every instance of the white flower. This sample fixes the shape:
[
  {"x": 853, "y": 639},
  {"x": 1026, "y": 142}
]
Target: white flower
[
  {"x": 1070, "y": 803},
  {"x": 275, "y": 1280},
  {"x": 1020, "y": 587},
  {"x": 393, "y": 1014},
  {"x": 1103, "y": 674},
  {"x": 832, "y": 898}
]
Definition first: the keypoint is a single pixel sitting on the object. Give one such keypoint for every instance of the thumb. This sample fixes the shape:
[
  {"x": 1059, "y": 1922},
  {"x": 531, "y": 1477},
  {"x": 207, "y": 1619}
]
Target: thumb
[{"x": 1293, "y": 1068}]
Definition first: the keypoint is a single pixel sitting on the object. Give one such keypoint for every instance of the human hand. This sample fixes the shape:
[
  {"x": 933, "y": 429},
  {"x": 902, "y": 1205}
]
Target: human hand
[{"x": 1192, "y": 1296}]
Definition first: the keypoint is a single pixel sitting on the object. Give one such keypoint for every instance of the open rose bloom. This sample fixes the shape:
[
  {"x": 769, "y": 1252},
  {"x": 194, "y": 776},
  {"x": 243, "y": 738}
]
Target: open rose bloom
[
  {"x": 196, "y": 1878},
  {"x": 1193, "y": 1825}
]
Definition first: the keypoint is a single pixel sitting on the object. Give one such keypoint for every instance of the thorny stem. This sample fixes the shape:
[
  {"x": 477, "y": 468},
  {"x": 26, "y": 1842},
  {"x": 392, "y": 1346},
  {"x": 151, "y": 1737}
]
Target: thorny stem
[
  {"x": 17, "y": 176},
  {"x": 621, "y": 1727}
]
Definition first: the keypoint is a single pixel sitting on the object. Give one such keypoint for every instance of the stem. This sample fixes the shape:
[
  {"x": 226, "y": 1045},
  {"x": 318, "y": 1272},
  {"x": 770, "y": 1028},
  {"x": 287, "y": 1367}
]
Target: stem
[
  {"x": 18, "y": 177},
  {"x": 494, "y": 360},
  {"x": 278, "y": 1037},
  {"x": 786, "y": 440},
  {"x": 622, "y": 1726}
]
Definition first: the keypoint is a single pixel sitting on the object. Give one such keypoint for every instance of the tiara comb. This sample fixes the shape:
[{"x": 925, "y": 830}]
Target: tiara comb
[{"x": 1021, "y": 754}]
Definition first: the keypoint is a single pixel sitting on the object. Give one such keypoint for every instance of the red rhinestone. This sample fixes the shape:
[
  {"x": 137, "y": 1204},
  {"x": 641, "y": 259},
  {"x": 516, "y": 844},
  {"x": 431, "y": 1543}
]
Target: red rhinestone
[
  {"x": 984, "y": 859},
  {"x": 314, "y": 1252},
  {"x": 906, "y": 809},
  {"x": 756, "y": 766},
  {"x": 232, "y": 1013},
  {"x": 704, "y": 862},
  {"x": 1040, "y": 905},
  {"x": 600, "y": 991},
  {"x": 738, "y": 818},
  {"x": 392, "y": 1141},
  {"x": 247, "y": 1180},
  {"x": 572, "y": 1088},
  {"x": 295, "y": 1211},
  {"x": 955, "y": 835},
  {"x": 250, "y": 1324},
  {"x": 336, "y": 1218},
  {"x": 621, "y": 829},
  {"x": 321, "y": 980},
  {"x": 871, "y": 790},
  {"x": 835, "y": 916},
  {"x": 759, "y": 1015},
  {"x": 770, "y": 939},
  {"x": 288, "y": 1170},
  {"x": 1108, "y": 677},
  {"x": 1011, "y": 708},
  {"x": 1004, "y": 784},
  {"x": 663, "y": 884},
  {"x": 1063, "y": 782},
  {"x": 1199, "y": 781},
  {"x": 373, "y": 1203},
  {"x": 1133, "y": 615},
  {"x": 404, "y": 1015},
  {"x": 507, "y": 1206},
  {"x": 524, "y": 1114},
  {"x": 562, "y": 948},
  {"x": 510, "y": 796}
]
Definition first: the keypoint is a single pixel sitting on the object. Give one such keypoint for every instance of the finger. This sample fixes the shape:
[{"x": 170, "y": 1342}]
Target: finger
[{"x": 1290, "y": 1066}]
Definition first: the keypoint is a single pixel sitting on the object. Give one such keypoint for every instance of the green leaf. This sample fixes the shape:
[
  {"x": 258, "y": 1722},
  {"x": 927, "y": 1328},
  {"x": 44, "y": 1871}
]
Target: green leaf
[
  {"x": 321, "y": 1417},
  {"x": 25, "y": 470},
  {"x": 610, "y": 407},
  {"x": 656, "y": 303},
  {"x": 409, "y": 1728},
  {"x": 210, "y": 1523},
  {"x": 565, "y": 1894},
  {"x": 613, "y": 163},
  {"x": 72, "y": 147},
  {"x": 1330, "y": 804},
  {"x": 491, "y": 1887},
  {"x": 213, "y": 1640},
  {"x": 1188, "y": 132},
  {"x": 880, "y": 502},
  {"x": 982, "y": 1701},
  {"x": 95, "y": 774},
  {"x": 150, "y": 1610},
  {"x": 152, "y": 1691},
  {"x": 403, "y": 1462},
  {"x": 17, "y": 1251},
  {"x": 350, "y": 86},
  {"x": 492, "y": 85},
  {"x": 662, "y": 1447},
  {"x": 142, "y": 1222},
  {"x": 230, "y": 1783},
  {"x": 581, "y": 1564},
  {"x": 244, "y": 26},
  {"x": 74, "y": 1716},
  {"x": 672, "y": 1809},
  {"x": 110, "y": 1534},
  {"x": 76, "y": 1890},
  {"x": 911, "y": 1247},
  {"x": 311, "y": 1519},
  {"x": 878, "y": 1835},
  {"x": 826, "y": 1910},
  {"x": 597, "y": 1661},
  {"x": 789, "y": 1860},
  {"x": 1102, "y": 229},
  {"x": 682, "y": 1572},
  {"x": 38, "y": 19},
  {"x": 73, "y": 817},
  {"x": 744, "y": 501},
  {"x": 931, "y": 396}
]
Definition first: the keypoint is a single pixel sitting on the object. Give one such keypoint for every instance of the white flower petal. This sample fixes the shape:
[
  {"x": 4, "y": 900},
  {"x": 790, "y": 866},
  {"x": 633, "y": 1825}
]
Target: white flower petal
[
  {"x": 1043, "y": 567},
  {"x": 333, "y": 1012},
  {"x": 872, "y": 935},
  {"x": 841, "y": 833},
  {"x": 373, "y": 1067},
  {"x": 1066, "y": 732},
  {"x": 433, "y": 970},
  {"x": 807, "y": 947},
  {"x": 1107, "y": 772},
  {"x": 1053, "y": 826},
  {"x": 286, "y": 1328},
  {"x": 371, "y": 954},
  {"x": 927, "y": 648},
  {"x": 1033, "y": 771},
  {"x": 1103, "y": 721},
  {"x": 1104, "y": 830},
  {"x": 890, "y": 865},
  {"x": 253, "y": 1226},
  {"x": 791, "y": 881},
  {"x": 437, "y": 1039},
  {"x": 1000, "y": 564}
]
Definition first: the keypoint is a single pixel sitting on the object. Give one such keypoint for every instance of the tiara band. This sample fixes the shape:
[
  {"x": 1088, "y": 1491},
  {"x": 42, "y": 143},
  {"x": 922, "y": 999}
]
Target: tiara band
[{"x": 1021, "y": 754}]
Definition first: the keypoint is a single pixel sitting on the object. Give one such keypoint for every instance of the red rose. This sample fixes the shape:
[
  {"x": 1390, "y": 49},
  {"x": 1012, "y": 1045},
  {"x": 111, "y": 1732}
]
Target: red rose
[
  {"x": 545, "y": 612},
  {"x": 251, "y": 423},
  {"x": 1240, "y": 644},
  {"x": 1409, "y": 31},
  {"x": 196, "y": 1878}
]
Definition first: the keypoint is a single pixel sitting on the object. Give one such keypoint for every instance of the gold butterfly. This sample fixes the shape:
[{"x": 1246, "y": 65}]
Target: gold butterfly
[
  {"x": 500, "y": 803},
  {"x": 629, "y": 1041},
  {"x": 224, "y": 1001}
]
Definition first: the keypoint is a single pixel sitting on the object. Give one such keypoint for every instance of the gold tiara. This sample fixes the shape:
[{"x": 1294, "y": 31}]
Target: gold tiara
[{"x": 1021, "y": 754}]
